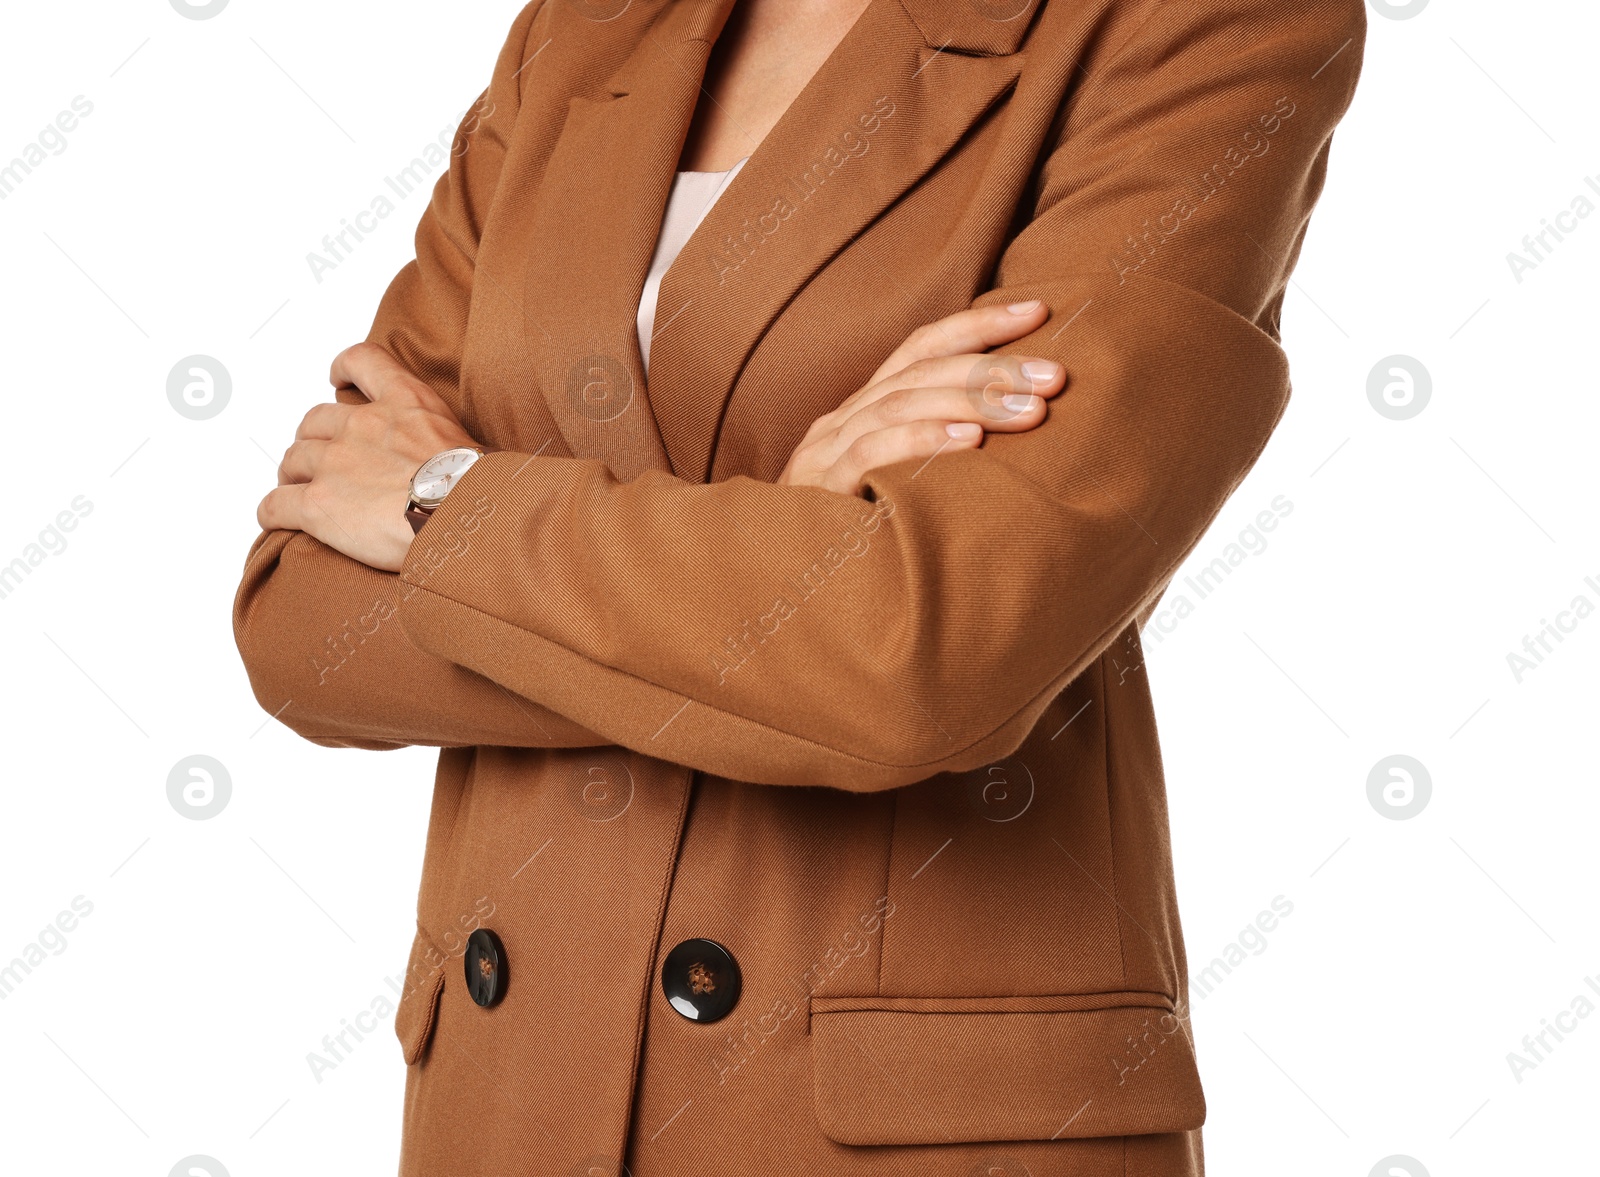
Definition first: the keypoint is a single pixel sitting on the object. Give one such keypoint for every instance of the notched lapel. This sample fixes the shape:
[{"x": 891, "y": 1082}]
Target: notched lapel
[
  {"x": 595, "y": 226},
  {"x": 973, "y": 26},
  {"x": 902, "y": 87},
  {"x": 883, "y": 109}
]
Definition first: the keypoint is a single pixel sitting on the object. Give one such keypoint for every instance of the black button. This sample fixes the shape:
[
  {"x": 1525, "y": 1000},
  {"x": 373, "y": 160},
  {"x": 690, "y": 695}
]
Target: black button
[
  {"x": 701, "y": 980},
  {"x": 486, "y": 967}
]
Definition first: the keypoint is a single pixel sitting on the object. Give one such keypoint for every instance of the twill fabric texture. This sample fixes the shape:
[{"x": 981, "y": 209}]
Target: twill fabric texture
[
  {"x": 896, "y": 753},
  {"x": 689, "y": 200}
]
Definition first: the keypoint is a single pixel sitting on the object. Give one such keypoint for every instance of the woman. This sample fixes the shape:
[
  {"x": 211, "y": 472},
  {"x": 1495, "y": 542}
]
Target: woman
[{"x": 800, "y": 807}]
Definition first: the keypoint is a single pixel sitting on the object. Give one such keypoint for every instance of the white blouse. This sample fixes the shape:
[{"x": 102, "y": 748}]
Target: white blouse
[{"x": 691, "y": 198}]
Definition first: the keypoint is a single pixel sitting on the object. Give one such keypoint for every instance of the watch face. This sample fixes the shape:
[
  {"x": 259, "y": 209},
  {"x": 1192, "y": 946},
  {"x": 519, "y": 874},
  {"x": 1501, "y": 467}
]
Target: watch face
[{"x": 439, "y": 473}]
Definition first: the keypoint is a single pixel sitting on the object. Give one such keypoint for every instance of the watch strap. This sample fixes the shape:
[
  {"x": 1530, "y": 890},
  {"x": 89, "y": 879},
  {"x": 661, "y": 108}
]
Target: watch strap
[{"x": 417, "y": 516}]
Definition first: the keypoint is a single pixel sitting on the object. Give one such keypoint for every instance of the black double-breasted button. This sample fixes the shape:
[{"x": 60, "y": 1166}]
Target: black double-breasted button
[
  {"x": 486, "y": 967},
  {"x": 701, "y": 980}
]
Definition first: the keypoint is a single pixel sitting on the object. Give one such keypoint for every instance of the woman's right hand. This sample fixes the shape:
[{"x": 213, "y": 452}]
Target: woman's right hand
[{"x": 939, "y": 391}]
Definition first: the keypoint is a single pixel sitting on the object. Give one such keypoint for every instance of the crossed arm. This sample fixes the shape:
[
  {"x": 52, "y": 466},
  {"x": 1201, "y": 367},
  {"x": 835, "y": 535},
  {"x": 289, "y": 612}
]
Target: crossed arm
[{"x": 797, "y": 632}]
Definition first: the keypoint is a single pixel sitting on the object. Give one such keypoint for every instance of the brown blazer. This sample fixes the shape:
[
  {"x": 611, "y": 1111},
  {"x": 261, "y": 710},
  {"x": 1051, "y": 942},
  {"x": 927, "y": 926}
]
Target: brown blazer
[{"x": 896, "y": 755}]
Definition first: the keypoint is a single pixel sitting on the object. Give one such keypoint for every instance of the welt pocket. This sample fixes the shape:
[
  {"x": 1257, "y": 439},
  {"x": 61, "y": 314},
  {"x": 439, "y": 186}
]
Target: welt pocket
[
  {"x": 418, "y": 1006},
  {"x": 935, "y": 1070}
]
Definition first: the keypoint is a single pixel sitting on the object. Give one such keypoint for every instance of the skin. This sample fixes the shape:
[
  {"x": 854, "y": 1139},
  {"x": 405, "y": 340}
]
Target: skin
[
  {"x": 346, "y": 477},
  {"x": 936, "y": 393},
  {"x": 766, "y": 53}
]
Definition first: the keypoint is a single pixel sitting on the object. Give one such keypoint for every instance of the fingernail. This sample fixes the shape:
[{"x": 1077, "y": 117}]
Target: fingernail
[
  {"x": 1019, "y": 402},
  {"x": 1022, "y": 308},
  {"x": 1040, "y": 371},
  {"x": 963, "y": 431}
]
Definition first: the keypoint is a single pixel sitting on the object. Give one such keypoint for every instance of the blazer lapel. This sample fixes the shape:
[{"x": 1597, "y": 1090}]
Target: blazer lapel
[
  {"x": 883, "y": 109},
  {"x": 604, "y": 191},
  {"x": 878, "y": 115}
]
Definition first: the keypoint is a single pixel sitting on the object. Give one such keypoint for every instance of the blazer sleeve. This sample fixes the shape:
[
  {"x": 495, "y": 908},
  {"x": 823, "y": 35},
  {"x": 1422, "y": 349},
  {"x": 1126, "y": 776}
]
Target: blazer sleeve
[
  {"x": 790, "y": 635},
  {"x": 318, "y": 631}
]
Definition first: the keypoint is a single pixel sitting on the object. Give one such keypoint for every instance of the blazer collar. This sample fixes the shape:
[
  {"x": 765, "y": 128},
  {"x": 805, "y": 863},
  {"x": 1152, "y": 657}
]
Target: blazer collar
[
  {"x": 901, "y": 88},
  {"x": 985, "y": 27}
]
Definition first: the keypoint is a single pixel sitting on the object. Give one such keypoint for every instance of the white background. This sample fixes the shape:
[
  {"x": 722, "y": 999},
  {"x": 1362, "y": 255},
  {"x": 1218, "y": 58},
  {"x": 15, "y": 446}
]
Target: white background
[{"x": 1378, "y": 1016}]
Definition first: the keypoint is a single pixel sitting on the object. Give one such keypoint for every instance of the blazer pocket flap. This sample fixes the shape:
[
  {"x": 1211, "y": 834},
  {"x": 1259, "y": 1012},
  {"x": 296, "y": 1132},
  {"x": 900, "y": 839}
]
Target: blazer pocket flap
[
  {"x": 944, "y": 1070},
  {"x": 419, "y": 1001}
]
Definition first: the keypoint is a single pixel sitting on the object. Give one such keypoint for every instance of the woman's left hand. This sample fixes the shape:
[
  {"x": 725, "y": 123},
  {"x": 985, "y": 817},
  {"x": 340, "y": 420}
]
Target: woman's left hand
[{"x": 347, "y": 477}]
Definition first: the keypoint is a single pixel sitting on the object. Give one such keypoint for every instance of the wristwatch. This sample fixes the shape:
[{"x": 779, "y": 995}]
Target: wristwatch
[{"x": 434, "y": 479}]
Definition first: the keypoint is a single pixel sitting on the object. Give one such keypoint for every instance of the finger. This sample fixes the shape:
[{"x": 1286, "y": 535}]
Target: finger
[
  {"x": 988, "y": 408},
  {"x": 971, "y": 330},
  {"x": 990, "y": 375},
  {"x": 989, "y": 378},
  {"x": 301, "y": 461},
  {"x": 380, "y": 376},
  {"x": 918, "y": 439},
  {"x": 323, "y": 422},
  {"x": 283, "y": 507}
]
